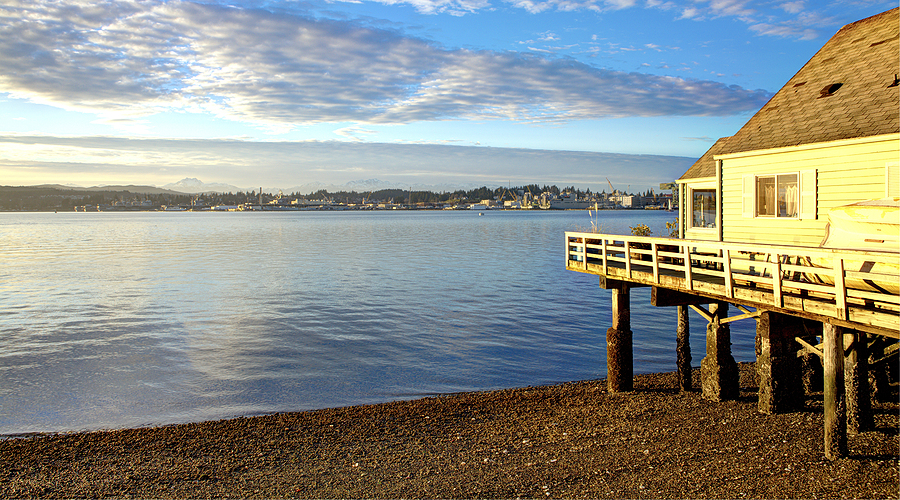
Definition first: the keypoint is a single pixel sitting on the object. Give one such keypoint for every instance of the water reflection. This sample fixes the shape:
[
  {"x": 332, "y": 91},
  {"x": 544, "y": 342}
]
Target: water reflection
[{"x": 134, "y": 319}]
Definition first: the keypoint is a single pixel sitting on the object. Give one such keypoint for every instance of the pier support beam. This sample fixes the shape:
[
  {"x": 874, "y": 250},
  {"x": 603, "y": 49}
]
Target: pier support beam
[
  {"x": 879, "y": 386},
  {"x": 619, "y": 351},
  {"x": 856, "y": 382},
  {"x": 718, "y": 370},
  {"x": 683, "y": 349},
  {"x": 811, "y": 363},
  {"x": 833, "y": 392},
  {"x": 779, "y": 369}
]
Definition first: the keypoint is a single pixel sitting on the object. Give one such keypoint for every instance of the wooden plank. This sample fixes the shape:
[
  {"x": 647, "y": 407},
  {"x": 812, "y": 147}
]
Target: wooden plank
[
  {"x": 605, "y": 257},
  {"x": 808, "y": 348},
  {"x": 866, "y": 310},
  {"x": 665, "y": 297},
  {"x": 702, "y": 312},
  {"x": 840, "y": 293},
  {"x": 729, "y": 278},
  {"x": 877, "y": 277},
  {"x": 655, "y": 260},
  {"x": 740, "y": 317},
  {"x": 776, "y": 283},
  {"x": 688, "y": 277},
  {"x": 627, "y": 260},
  {"x": 584, "y": 249},
  {"x": 862, "y": 294}
]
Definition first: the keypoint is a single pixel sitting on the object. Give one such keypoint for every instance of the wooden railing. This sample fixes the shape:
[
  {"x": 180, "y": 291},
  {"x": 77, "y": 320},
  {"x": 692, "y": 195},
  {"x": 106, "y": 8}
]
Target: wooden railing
[{"x": 853, "y": 286}]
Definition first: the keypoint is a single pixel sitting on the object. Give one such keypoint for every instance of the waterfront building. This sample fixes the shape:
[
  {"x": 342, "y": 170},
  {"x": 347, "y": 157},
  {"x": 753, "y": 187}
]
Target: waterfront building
[{"x": 793, "y": 220}]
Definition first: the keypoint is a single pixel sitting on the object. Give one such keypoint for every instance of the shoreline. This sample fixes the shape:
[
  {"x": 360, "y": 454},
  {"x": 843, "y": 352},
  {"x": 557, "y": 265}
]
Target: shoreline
[{"x": 572, "y": 440}]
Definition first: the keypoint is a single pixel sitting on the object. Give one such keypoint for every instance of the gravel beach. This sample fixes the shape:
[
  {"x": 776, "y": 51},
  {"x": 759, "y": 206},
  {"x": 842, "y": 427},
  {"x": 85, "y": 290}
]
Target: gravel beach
[{"x": 571, "y": 440}]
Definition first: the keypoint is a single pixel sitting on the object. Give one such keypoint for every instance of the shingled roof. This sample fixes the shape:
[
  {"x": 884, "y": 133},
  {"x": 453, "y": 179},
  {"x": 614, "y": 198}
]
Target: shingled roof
[{"x": 849, "y": 89}]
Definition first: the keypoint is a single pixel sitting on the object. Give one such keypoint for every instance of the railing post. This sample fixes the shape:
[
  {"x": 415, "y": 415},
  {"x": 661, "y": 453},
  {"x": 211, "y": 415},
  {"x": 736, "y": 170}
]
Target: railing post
[
  {"x": 603, "y": 243},
  {"x": 776, "y": 283},
  {"x": 584, "y": 252},
  {"x": 688, "y": 277},
  {"x": 655, "y": 257},
  {"x": 840, "y": 290},
  {"x": 729, "y": 279},
  {"x": 627, "y": 259}
]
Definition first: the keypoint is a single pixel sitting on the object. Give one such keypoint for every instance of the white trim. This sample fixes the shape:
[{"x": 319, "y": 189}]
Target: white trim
[
  {"x": 807, "y": 147},
  {"x": 807, "y": 199},
  {"x": 891, "y": 179},
  {"x": 695, "y": 179},
  {"x": 719, "y": 199},
  {"x": 709, "y": 184}
]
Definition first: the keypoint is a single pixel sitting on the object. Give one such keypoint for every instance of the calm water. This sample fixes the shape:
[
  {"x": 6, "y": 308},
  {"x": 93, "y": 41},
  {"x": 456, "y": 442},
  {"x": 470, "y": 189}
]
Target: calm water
[{"x": 127, "y": 319}]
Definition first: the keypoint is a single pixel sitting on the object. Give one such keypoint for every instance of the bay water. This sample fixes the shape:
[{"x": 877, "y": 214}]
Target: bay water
[{"x": 111, "y": 320}]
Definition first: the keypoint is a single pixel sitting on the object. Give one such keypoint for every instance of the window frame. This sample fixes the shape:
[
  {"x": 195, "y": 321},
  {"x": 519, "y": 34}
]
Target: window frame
[
  {"x": 775, "y": 178},
  {"x": 807, "y": 195},
  {"x": 689, "y": 213}
]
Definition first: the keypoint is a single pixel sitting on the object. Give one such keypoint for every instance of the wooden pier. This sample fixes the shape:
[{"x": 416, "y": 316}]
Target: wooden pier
[{"x": 795, "y": 295}]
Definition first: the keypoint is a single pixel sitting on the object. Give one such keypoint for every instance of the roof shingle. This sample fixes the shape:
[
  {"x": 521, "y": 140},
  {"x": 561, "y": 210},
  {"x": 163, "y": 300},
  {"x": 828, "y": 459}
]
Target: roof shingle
[{"x": 863, "y": 58}]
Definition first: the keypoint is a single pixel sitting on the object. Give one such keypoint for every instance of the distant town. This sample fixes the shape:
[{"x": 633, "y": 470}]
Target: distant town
[{"x": 142, "y": 198}]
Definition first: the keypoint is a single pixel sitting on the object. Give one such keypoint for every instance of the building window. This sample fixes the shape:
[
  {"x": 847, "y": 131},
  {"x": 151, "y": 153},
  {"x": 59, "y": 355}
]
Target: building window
[
  {"x": 703, "y": 203},
  {"x": 778, "y": 196}
]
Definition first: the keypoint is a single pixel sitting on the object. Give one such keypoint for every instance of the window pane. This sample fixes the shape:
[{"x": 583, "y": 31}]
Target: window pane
[
  {"x": 704, "y": 208},
  {"x": 788, "y": 196},
  {"x": 765, "y": 196}
]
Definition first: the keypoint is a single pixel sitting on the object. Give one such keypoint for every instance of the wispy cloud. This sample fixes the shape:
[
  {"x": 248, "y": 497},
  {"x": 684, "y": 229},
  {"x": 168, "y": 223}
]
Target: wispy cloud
[
  {"x": 761, "y": 17},
  {"x": 83, "y": 160},
  {"x": 126, "y": 60}
]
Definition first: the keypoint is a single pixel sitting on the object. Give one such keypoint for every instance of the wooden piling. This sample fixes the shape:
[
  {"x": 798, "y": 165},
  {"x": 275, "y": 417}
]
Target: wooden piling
[
  {"x": 779, "y": 369},
  {"x": 856, "y": 383},
  {"x": 833, "y": 392},
  {"x": 810, "y": 362},
  {"x": 718, "y": 370},
  {"x": 619, "y": 350},
  {"x": 683, "y": 349}
]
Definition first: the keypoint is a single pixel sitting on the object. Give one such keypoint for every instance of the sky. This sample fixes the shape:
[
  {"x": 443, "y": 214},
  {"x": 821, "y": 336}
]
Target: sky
[{"x": 425, "y": 93}]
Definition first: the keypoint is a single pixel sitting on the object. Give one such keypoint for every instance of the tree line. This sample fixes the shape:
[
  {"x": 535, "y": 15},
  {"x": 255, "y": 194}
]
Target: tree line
[{"x": 36, "y": 198}]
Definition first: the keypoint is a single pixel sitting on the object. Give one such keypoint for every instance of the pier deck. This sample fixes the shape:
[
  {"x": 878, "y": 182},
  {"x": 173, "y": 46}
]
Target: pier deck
[
  {"x": 851, "y": 295},
  {"x": 852, "y": 289}
]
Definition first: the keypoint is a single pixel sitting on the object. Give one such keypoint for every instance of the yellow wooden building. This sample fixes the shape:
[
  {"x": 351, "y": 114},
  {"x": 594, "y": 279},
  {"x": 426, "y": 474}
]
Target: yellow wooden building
[
  {"x": 830, "y": 137},
  {"x": 758, "y": 225}
]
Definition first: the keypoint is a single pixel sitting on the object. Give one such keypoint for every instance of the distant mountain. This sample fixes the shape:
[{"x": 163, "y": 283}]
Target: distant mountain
[
  {"x": 193, "y": 185},
  {"x": 367, "y": 185},
  {"x": 130, "y": 188}
]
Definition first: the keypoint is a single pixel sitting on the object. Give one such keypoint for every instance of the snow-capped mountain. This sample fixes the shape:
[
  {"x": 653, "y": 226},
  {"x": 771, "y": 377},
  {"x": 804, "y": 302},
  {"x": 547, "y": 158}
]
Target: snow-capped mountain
[{"x": 194, "y": 185}]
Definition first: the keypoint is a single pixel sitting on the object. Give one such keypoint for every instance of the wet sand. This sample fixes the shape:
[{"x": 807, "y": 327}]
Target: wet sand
[{"x": 565, "y": 441}]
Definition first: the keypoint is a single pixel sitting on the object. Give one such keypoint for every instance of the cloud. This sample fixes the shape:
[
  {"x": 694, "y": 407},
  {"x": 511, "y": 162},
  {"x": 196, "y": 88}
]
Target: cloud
[
  {"x": 354, "y": 133},
  {"x": 84, "y": 160},
  {"x": 126, "y": 60},
  {"x": 793, "y": 7},
  {"x": 785, "y": 31},
  {"x": 763, "y": 18},
  {"x": 538, "y": 6}
]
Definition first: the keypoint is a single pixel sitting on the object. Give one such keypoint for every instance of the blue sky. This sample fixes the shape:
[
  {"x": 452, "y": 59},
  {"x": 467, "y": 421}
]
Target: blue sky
[{"x": 418, "y": 92}]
